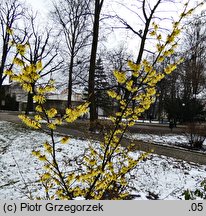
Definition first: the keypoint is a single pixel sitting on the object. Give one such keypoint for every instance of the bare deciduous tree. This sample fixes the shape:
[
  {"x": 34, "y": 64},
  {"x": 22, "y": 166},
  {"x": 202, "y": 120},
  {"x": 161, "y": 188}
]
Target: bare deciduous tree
[
  {"x": 43, "y": 49},
  {"x": 73, "y": 19},
  {"x": 10, "y": 12}
]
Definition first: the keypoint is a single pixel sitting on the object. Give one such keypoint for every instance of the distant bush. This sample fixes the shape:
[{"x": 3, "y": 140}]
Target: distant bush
[{"x": 196, "y": 134}]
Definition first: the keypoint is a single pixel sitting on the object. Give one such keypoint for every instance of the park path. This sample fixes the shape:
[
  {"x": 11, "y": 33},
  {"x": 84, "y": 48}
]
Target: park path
[{"x": 175, "y": 152}]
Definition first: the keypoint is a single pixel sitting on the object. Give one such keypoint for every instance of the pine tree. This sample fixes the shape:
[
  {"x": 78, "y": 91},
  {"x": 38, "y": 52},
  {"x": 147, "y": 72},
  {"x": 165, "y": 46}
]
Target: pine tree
[
  {"x": 101, "y": 86},
  {"x": 102, "y": 100}
]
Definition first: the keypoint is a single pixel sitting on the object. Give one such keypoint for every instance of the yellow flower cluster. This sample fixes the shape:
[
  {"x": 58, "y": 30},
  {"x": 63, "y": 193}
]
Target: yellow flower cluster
[
  {"x": 18, "y": 61},
  {"x": 38, "y": 118},
  {"x": 120, "y": 76},
  {"x": 8, "y": 72},
  {"x": 45, "y": 89},
  {"x": 72, "y": 114},
  {"x": 112, "y": 94},
  {"x": 40, "y": 99},
  {"x": 36, "y": 153},
  {"x": 51, "y": 126},
  {"x": 129, "y": 86},
  {"x": 109, "y": 175},
  {"x": 29, "y": 73},
  {"x": 39, "y": 108},
  {"x": 51, "y": 113},
  {"x": 134, "y": 67},
  {"x": 21, "y": 49},
  {"x": 48, "y": 148},
  {"x": 46, "y": 176},
  {"x": 30, "y": 122},
  {"x": 170, "y": 68}
]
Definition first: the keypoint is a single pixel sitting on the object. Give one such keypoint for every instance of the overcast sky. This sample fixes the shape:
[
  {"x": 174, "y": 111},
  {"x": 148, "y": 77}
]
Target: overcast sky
[
  {"x": 43, "y": 7},
  {"x": 39, "y": 4},
  {"x": 121, "y": 37}
]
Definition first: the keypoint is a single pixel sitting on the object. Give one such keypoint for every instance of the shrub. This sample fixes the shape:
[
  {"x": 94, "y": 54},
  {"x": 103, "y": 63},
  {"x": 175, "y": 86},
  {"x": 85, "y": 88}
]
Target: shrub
[
  {"x": 102, "y": 171},
  {"x": 196, "y": 134}
]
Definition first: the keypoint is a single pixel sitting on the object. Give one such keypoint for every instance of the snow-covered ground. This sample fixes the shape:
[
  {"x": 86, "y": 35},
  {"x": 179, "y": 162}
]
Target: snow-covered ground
[
  {"x": 163, "y": 177},
  {"x": 167, "y": 139}
]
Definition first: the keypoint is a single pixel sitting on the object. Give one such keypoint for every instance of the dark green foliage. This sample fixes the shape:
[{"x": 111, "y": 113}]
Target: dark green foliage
[
  {"x": 183, "y": 110},
  {"x": 198, "y": 193},
  {"x": 101, "y": 86}
]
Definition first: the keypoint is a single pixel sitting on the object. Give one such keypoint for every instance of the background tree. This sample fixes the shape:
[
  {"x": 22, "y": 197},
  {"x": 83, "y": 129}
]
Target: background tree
[
  {"x": 91, "y": 80},
  {"x": 10, "y": 13},
  {"x": 40, "y": 52},
  {"x": 117, "y": 60},
  {"x": 102, "y": 85},
  {"x": 188, "y": 81},
  {"x": 73, "y": 18},
  {"x": 193, "y": 69},
  {"x": 144, "y": 31}
]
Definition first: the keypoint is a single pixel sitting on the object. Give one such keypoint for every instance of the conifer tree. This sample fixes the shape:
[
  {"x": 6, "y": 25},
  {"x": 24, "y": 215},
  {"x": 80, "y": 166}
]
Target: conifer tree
[{"x": 101, "y": 86}]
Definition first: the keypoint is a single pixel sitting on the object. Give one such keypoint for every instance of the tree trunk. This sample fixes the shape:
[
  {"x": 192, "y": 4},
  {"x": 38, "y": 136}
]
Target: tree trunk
[
  {"x": 30, "y": 101},
  {"x": 69, "y": 99},
  {"x": 91, "y": 92},
  {"x": 1, "y": 95},
  {"x": 30, "y": 104}
]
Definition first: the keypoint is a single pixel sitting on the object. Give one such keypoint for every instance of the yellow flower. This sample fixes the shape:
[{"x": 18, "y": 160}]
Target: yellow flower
[
  {"x": 131, "y": 123},
  {"x": 133, "y": 66},
  {"x": 51, "y": 126},
  {"x": 39, "y": 99},
  {"x": 73, "y": 114},
  {"x": 51, "y": 112},
  {"x": 145, "y": 62},
  {"x": 159, "y": 76},
  {"x": 36, "y": 153},
  {"x": 160, "y": 47},
  {"x": 170, "y": 68},
  {"x": 21, "y": 49},
  {"x": 161, "y": 58},
  {"x": 159, "y": 37},
  {"x": 42, "y": 158},
  {"x": 58, "y": 121},
  {"x": 151, "y": 91},
  {"x": 112, "y": 94},
  {"x": 129, "y": 85},
  {"x": 40, "y": 90},
  {"x": 37, "y": 118},
  {"x": 49, "y": 88},
  {"x": 120, "y": 76},
  {"x": 135, "y": 74},
  {"x": 29, "y": 122},
  {"x": 38, "y": 108},
  {"x": 39, "y": 65},
  {"x": 9, "y": 31},
  {"x": 170, "y": 38},
  {"x": 8, "y": 72},
  {"x": 27, "y": 87},
  {"x": 18, "y": 61},
  {"x": 155, "y": 26},
  {"x": 64, "y": 140},
  {"x": 48, "y": 147},
  {"x": 148, "y": 68},
  {"x": 152, "y": 33}
]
